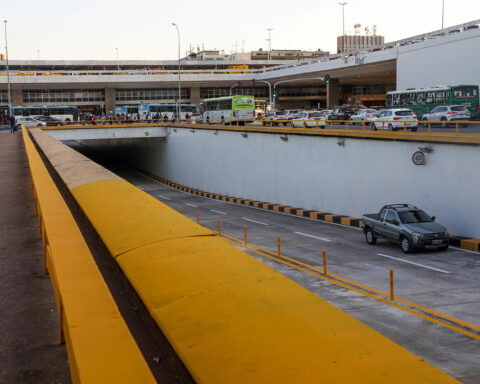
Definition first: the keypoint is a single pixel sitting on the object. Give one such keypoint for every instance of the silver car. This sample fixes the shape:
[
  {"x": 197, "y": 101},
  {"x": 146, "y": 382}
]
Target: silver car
[
  {"x": 447, "y": 113},
  {"x": 363, "y": 115}
]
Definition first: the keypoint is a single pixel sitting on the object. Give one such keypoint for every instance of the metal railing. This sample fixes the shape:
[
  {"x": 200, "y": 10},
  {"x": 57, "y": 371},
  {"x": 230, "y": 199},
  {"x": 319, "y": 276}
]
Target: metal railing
[{"x": 465, "y": 128}]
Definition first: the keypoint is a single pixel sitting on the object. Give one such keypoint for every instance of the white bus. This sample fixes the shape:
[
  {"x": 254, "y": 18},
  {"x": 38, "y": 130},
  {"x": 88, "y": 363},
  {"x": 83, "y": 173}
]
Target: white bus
[
  {"x": 225, "y": 110},
  {"x": 62, "y": 113},
  {"x": 150, "y": 110}
]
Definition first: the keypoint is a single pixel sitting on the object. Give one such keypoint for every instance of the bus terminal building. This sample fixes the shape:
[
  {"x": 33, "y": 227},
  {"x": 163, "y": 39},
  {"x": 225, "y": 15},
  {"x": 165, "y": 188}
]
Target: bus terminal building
[{"x": 444, "y": 57}]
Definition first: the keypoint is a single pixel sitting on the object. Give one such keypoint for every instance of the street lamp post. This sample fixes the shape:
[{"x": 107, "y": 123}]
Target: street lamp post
[
  {"x": 118, "y": 63},
  {"x": 179, "y": 81},
  {"x": 443, "y": 12},
  {"x": 269, "y": 90},
  {"x": 269, "y": 43},
  {"x": 291, "y": 81},
  {"x": 8, "y": 72},
  {"x": 343, "y": 25}
]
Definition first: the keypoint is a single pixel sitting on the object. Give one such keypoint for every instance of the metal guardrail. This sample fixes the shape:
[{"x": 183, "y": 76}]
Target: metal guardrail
[{"x": 455, "y": 128}]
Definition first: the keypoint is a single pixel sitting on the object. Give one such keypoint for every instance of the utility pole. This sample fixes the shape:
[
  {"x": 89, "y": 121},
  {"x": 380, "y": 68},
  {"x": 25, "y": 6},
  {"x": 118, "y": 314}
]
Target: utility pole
[
  {"x": 8, "y": 72},
  {"x": 38, "y": 55},
  {"x": 343, "y": 24},
  {"x": 118, "y": 63},
  {"x": 269, "y": 43},
  {"x": 443, "y": 12},
  {"x": 179, "y": 81}
]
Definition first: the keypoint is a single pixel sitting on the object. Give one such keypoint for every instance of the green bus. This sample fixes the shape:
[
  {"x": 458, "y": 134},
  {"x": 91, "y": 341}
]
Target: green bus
[
  {"x": 228, "y": 109},
  {"x": 423, "y": 100}
]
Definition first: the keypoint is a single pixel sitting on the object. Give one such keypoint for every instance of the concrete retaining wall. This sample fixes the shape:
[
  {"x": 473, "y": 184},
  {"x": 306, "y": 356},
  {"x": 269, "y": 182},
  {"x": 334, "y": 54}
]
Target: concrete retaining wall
[{"x": 317, "y": 173}]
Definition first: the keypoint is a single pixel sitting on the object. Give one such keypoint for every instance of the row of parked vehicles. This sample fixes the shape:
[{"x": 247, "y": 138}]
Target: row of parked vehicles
[{"x": 386, "y": 119}]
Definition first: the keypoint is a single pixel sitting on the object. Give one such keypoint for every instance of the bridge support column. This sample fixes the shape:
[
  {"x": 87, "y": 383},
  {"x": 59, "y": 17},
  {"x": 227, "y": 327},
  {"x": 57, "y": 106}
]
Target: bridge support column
[
  {"x": 195, "y": 96},
  {"x": 333, "y": 93},
  {"x": 110, "y": 100},
  {"x": 17, "y": 97}
]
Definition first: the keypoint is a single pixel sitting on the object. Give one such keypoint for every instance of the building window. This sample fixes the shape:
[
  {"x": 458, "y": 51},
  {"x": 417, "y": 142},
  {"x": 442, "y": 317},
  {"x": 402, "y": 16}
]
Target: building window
[
  {"x": 62, "y": 96},
  {"x": 3, "y": 96},
  {"x": 150, "y": 94},
  {"x": 209, "y": 93},
  {"x": 301, "y": 91}
]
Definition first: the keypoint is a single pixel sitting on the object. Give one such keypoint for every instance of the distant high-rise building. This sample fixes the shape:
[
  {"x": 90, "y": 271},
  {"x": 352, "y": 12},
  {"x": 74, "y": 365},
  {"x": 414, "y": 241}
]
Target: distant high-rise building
[{"x": 354, "y": 42}]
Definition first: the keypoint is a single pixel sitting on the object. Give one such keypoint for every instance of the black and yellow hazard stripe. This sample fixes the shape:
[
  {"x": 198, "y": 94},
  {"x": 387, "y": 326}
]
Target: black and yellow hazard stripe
[{"x": 456, "y": 241}]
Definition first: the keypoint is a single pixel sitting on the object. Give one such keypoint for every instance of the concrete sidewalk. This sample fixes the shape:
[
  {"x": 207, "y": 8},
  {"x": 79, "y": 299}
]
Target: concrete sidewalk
[{"x": 29, "y": 330}]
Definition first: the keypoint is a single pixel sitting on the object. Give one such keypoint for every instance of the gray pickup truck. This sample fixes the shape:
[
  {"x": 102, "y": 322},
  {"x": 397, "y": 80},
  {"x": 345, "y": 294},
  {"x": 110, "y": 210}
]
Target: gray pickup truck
[{"x": 406, "y": 225}]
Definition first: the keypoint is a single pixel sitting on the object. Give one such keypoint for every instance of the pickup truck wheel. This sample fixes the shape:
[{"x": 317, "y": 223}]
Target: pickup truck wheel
[
  {"x": 406, "y": 245},
  {"x": 370, "y": 237}
]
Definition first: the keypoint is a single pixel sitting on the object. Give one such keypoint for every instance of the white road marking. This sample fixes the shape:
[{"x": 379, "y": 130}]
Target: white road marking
[
  {"x": 465, "y": 250},
  {"x": 221, "y": 213},
  {"x": 163, "y": 197},
  {"x": 254, "y": 221},
  {"x": 141, "y": 188},
  {"x": 192, "y": 205},
  {"x": 411, "y": 262},
  {"x": 313, "y": 237}
]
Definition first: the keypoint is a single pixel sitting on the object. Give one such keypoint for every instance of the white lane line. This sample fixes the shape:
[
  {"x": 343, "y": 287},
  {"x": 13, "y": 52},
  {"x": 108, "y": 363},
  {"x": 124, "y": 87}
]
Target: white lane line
[
  {"x": 465, "y": 250},
  {"x": 313, "y": 237},
  {"x": 192, "y": 205},
  {"x": 411, "y": 262},
  {"x": 141, "y": 188},
  {"x": 254, "y": 221},
  {"x": 163, "y": 197},
  {"x": 221, "y": 213}
]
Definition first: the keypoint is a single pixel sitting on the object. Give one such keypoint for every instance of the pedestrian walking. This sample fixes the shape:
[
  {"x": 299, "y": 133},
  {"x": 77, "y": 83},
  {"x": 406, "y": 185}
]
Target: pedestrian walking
[{"x": 12, "y": 124}]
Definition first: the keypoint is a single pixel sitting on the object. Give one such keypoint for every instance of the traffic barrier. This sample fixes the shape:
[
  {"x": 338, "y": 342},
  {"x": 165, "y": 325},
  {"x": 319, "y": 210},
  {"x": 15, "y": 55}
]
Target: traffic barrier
[
  {"x": 225, "y": 313},
  {"x": 100, "y": 346}
]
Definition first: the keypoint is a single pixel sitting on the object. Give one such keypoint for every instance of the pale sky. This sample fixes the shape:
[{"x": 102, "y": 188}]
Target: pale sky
[{"x": 92, "y": 29}]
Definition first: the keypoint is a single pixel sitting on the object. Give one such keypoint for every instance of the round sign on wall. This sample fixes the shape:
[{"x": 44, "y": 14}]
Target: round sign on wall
[{"x": 418, "y": 158}]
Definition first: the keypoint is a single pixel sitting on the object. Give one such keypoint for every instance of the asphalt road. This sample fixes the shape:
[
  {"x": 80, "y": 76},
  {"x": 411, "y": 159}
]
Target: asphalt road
[{"x": 446, "y": 282}]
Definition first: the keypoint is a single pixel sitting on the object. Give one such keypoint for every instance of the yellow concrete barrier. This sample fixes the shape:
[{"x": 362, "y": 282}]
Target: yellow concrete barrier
[
  {"x": 99, "y": 344},
  {"x": 229, "y": 317}
]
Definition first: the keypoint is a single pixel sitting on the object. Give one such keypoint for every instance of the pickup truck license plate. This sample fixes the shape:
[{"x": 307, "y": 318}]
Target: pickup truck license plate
[{"x": 436, "y": 242}]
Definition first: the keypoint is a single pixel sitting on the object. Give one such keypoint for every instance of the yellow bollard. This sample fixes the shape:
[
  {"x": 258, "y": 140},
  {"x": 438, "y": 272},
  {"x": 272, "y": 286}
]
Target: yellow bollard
[
  {"x": 391, "y": 285},
  {"x": 245, "y": 230},
  {"x": 278, "y": 244},
  {"x": 198, "y": 218},
  {"x": 219, "y": 228},
  {"x": 181, "y": 209},
  {"x": 325, "y": 262}
]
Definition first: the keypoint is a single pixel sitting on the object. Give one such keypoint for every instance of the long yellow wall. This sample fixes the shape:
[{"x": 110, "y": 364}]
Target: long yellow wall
[
  {"x": 229, "y": 317},
  {"x": 99, "y": 344}
]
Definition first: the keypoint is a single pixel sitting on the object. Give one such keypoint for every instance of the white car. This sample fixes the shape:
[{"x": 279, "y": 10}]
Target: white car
[
  {"x": 395, "y": 119},
  {"x": 28, "y": 122},
  {"x": 447, "y": 113},
  {"x": 309, "y": 120},
  {"x": 363, "y": 115}
]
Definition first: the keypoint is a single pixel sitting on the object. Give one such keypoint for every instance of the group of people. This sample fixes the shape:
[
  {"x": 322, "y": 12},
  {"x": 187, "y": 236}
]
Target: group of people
[{"x": 155, "y": 117}]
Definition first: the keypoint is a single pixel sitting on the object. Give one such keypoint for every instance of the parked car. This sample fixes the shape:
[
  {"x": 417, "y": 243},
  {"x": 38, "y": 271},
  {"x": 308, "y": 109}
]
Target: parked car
[
  {"x": 406, "y": 225},
  {"x": 273, "y": 116},
  {"x": 363, "y": 115},
  {"x": 291, "y": 113},
  {"x": 447, "y": 113},
  {"x": 49, "y": 120},
  {"x": 342, "y": 113},
  {"x": 28, "y": 122},
  {"x": 393, "y": 119},
  {"x": 309, "y": 120},
  {"x": 325, "y": 113}
]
